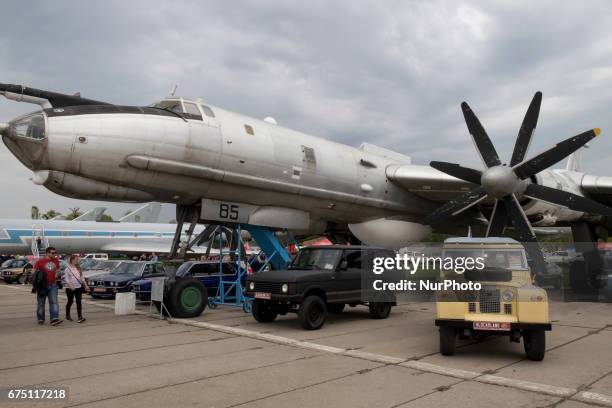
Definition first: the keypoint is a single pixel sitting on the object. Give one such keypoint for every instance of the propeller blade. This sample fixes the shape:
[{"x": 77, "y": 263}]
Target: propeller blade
[
  {"x": 498, "y": 220},
  {"x": 456, "y": 206},
  {"x": 526, "y": 234},
  {"x": 554, "y": 155},
  {"x": 565, "y": 199},
  {"x": 538, "y": 263},
  {"x": 483, "y": 143},
  {"x": 527, "y": 128},
  {"x": 455, "y": 170},
  {"x": 519, "y": 219}
]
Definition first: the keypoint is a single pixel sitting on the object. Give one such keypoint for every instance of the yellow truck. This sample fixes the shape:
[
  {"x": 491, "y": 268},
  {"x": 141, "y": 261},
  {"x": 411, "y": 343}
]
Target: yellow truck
[{"x": 507, "y": 303}]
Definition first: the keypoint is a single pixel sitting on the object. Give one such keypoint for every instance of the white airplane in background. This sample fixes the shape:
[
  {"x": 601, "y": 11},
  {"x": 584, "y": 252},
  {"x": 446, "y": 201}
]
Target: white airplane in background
[
  {"x": 85, "y": 234},
  {"x": 24, "y": 236}
]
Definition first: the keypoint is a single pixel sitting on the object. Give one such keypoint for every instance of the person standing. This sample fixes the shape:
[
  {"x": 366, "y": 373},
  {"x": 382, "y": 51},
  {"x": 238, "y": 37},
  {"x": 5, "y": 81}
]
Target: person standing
[
  {"x": 75, "y": 286},
  {"x": 153, "y": 257},
  {"x": 47, "y": 271}
]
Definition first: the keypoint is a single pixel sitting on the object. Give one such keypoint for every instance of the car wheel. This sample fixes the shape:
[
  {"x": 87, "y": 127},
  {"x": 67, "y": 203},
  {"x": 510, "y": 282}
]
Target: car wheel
[
  {"x": 534, "y": 342},
  {"x": 187, "y": 298},
  {"x": 447, "y": 341},
  {"x": 335, "y": 308},
  {"x": 312, "y": 313},
  {"x": 264, "y": 311},
  {"x": 380, "y": 310}
]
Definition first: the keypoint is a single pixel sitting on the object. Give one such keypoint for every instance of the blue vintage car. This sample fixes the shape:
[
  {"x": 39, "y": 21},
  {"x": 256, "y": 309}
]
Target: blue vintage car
[
  {"x": 122, "y": 278},
  {"x": 207, "y": 272}
]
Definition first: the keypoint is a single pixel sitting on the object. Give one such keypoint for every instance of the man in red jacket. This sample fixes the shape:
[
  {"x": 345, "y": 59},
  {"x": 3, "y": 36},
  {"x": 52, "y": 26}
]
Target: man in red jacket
[{"x": 50, "y": 267}]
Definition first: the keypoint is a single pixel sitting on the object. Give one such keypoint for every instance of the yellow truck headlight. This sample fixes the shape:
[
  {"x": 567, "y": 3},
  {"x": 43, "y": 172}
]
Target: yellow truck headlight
[{"x": 508, "y": 296}]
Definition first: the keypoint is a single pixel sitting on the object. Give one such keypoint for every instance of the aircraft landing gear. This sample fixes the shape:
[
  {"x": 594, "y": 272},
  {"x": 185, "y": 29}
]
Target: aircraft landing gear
[{"x": 183, "y": 213}]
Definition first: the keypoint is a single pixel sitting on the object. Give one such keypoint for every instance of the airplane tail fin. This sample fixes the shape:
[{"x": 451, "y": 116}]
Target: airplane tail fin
[
  {"x": 574, "y": 161},
  {"x": 147, "y": 213},
  {"x": 91, "y": 215}
]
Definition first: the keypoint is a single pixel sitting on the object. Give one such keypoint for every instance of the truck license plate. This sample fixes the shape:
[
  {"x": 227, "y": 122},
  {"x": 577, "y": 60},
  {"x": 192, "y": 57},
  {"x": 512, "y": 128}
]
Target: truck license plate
[
  {"x": 491, "y": 326},
  {"x": 263, "y": 295}
]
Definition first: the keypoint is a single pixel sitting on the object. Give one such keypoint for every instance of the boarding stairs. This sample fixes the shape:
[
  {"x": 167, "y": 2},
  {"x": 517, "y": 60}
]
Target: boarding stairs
[{"x": 40, "y": 242}]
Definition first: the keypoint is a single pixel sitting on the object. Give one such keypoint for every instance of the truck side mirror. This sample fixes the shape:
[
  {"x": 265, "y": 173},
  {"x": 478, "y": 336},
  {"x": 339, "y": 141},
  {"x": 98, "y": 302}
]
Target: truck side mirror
[{"x": 343, "y": 266}]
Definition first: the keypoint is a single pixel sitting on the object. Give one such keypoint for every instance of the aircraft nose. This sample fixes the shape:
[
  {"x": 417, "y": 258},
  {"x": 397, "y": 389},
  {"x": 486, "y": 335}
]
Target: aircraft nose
[{"x": 26, "y": 138}]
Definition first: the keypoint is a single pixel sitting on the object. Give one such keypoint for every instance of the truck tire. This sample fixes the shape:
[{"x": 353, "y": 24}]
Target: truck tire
[
  {"x": 380, "y": 310},
  {"x": 535, "y": 344},
  {"x": 187, "y": 298},
  {"x": 335, "y": 308},
  {"x": 312, "y": 313},
  {"x": 263, "y": 311},
  {"x": 447, "y": 341}
]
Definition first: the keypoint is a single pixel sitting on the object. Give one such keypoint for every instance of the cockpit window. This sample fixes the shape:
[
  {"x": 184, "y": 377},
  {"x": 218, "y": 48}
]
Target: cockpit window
[
  {"x": 31, "y": 126},
  {"x": 174, "y": 106},
  {"x": 193, "y": 111},
  {"x": 207, "y": 111}
]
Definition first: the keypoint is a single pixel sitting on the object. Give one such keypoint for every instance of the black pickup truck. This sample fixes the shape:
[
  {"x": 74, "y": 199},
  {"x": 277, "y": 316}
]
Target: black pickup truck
[{"x": 320, "y": 279}]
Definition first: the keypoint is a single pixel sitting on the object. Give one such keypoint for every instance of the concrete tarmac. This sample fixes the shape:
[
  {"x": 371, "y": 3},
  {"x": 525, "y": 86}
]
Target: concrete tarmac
[{"x": 226, "y": 359}]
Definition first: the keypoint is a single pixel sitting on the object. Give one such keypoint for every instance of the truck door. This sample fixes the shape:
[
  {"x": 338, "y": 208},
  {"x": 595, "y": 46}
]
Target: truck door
[{"x": 346, "y": 285}]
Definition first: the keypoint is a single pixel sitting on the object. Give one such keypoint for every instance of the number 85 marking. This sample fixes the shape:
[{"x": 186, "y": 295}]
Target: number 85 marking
[{"x": 229, "y": 211}]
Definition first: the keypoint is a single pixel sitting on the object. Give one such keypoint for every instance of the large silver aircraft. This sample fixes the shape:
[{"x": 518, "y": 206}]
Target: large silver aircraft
[{"x": 220, "y": 166}]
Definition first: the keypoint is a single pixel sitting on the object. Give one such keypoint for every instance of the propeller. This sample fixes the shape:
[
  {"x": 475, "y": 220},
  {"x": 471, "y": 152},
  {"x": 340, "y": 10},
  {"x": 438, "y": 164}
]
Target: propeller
[{"x": 506, "y": 183}]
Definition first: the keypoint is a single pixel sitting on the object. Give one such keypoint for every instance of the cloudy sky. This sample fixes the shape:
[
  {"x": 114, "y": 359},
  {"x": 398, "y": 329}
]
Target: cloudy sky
[{"x": 391, "y": 73}]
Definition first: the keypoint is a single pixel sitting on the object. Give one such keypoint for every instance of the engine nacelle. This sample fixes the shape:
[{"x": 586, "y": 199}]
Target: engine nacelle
[
  {"x": 73, "y": 186},
  {"x": 387, "y": 233},
  {"x": 541, "y": 213}
]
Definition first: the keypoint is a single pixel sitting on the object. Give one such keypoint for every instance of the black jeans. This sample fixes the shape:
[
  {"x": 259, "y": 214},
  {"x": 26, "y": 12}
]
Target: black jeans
[{"x": 73, "y": 294}]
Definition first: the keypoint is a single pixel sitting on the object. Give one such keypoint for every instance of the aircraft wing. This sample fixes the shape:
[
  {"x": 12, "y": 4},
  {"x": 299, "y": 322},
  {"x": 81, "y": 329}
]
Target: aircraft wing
[
  {"x": 427, "y": 182},
  {"x": 432, "y": 184}
]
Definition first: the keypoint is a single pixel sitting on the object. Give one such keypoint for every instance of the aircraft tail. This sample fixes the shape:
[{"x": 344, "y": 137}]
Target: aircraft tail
[
  {"x": 147, "y": 213},
  {"x": 574, "y": 161},
  {"x": 91, "y": 215}
]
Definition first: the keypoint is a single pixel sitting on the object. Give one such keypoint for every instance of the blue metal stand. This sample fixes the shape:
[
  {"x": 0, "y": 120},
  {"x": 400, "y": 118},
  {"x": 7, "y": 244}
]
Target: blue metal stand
[
  {"x": 275, "y": 252},
  {"x": 230, "y": 291}
]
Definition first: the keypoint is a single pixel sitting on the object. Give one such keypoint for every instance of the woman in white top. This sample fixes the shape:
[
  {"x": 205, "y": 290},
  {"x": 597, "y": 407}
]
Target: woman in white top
[{"x": 75, "y": 285}]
